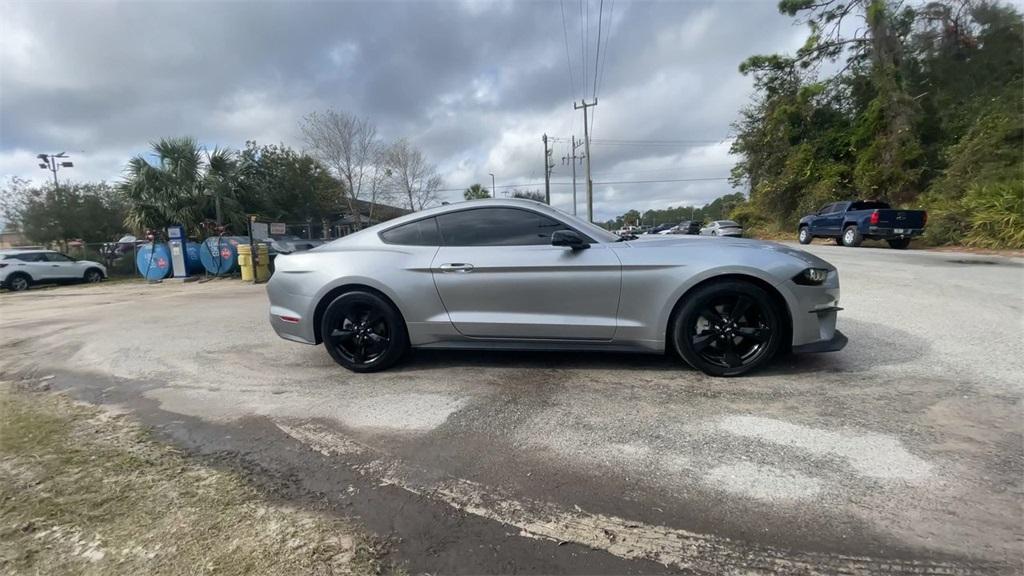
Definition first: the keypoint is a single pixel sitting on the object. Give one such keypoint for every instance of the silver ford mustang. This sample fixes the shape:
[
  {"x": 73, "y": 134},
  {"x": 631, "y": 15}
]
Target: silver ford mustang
[{"x": 517, "y": 274}]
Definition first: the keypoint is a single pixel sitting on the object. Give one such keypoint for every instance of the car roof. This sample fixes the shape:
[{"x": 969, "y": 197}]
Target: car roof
[
  {"x": 454, "y": 206},
  {"x": 23, "y": 250}
]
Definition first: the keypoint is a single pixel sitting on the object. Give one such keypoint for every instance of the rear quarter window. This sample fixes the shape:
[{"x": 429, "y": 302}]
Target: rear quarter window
[{"x": 419, "y": 233}]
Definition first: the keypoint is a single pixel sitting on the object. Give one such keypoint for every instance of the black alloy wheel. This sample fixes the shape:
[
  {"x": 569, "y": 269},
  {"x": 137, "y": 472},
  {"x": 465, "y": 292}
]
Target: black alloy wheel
[
  {"x": 363, "y": 332},
  {"x": 92, "y": 276},
  {"x": 728, "y": 328}
]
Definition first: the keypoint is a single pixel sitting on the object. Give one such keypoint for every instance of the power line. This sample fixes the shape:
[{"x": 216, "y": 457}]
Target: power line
[
  {"x": 568, "y": 60},
  {"x": 583, "y": 54},
  {"x": 586, "y": 55},
  {"x": 605, "y": 183},
  {"x": 597, "y": 53},
  {"x": 607, "y": 43}
]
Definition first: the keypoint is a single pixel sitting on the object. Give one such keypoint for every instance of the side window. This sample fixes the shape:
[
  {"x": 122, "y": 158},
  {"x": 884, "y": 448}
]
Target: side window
[
  {"x": 55, "y": 257},
  {"x": 30, "y": 257},
  {"x": 497, "y": 227},
  {"x": 419, "y": 233},
  {"x": 826, "y": 209}
]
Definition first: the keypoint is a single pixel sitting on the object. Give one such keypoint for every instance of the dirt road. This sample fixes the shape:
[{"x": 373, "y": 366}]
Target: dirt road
[{"x": 902, "y": 452}]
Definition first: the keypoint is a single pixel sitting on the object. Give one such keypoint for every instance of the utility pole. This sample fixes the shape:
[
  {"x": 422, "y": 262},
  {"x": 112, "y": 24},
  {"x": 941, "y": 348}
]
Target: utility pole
[
  {"x": 547, "y": 170},
  {"x": 586, "y": 141},
  {"x": 571, "y": 159}
]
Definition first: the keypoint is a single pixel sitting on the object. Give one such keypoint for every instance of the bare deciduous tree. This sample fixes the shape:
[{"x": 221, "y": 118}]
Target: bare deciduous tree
[
  {"x": 348, "y": 145},
  {"x": 412, "y": 177}
]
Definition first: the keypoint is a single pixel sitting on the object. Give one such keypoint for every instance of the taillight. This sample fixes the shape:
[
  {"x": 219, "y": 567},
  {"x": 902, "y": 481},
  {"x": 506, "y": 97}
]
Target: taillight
[
  {"x": 874, "y": 218},
  {"x": 924, "y": 220}
]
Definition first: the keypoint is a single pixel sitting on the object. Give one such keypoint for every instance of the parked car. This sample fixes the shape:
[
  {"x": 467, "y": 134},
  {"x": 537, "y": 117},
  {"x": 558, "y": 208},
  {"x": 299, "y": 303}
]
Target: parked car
[
  {"x": 722, "y": 228},
  {"x": 628, "y": 231},
  {"x": 661, "y": 228},
  {"x": 290, "y": 244},
  {"x": 516, "y": 274},
  {"x": 689, "y": 227},
  {"x": 21, "y": 268},
  {"x": 849, "y": 223}
]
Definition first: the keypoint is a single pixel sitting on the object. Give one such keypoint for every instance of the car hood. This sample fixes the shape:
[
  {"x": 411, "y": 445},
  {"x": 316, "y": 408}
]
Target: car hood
[{"x": 726, "y": 242}]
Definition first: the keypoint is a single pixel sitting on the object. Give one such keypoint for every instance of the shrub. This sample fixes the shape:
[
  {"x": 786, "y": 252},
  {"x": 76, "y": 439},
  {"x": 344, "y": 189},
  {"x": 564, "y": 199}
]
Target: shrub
[{"x": 996, "y": 215}]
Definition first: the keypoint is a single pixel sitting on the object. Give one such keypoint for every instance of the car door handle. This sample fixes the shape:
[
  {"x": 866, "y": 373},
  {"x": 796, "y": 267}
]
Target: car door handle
[{"x": 456, "y": 267}]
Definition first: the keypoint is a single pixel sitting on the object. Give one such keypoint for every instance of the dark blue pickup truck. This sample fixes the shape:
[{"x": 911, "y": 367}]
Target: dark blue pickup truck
[{"x": 849, "y": 223}]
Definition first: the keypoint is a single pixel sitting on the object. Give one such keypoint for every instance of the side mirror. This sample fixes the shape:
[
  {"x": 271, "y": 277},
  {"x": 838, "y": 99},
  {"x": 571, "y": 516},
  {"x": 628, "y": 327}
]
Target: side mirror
[{"x": 568, "y": 238}]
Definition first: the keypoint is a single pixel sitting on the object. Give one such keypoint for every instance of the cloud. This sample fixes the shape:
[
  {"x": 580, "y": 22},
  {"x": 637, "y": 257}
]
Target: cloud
[{"x": 475, "y": 84}]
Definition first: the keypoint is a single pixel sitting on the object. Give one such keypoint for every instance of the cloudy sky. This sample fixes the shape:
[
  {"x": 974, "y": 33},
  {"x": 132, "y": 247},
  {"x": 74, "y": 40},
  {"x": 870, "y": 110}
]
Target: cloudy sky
[{"x": 474, "y": 84}]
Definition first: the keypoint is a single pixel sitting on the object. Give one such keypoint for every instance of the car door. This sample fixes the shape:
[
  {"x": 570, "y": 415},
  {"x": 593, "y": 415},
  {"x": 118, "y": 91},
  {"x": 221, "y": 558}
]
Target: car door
[
  {"x": 833, "y": 221},
  {"x": 819, "y": 224},
  {"x": 499, "y": 277},
  {"x": 60, "y": 266}
]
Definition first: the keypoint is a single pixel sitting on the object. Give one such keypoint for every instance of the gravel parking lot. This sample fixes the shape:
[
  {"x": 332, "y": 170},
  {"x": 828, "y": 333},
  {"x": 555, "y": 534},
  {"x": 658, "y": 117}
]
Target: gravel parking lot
[{"x": 902, "y": 453}]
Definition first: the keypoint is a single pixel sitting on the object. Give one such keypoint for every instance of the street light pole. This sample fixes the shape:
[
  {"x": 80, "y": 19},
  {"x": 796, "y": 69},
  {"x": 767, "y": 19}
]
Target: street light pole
[
  {"x": 494, "y": 191},
  {"x": 50, "y": 162}
]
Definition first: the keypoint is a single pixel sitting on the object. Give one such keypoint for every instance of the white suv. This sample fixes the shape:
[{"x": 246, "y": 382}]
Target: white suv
[{"x": 20, "y": 268}]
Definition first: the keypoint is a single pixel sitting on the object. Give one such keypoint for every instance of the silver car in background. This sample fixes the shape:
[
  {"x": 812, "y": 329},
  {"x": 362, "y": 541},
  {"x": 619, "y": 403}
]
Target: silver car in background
[
  {"x": 722, "y": 228},
  {"x": 520, "y": 275}
]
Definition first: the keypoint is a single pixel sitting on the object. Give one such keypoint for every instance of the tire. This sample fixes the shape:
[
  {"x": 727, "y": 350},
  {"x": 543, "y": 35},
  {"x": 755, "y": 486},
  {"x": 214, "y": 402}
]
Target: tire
[
  {"x": 93, "y": 275},
  {"x": 804, "y": 235},
  {"x": 899, "y": 243},
  {"x": 852, "y": 237},
  {"x": 364, "y": 332},
  {"x": 708, "y": 337},
  {"x": 18, "y": 282}
]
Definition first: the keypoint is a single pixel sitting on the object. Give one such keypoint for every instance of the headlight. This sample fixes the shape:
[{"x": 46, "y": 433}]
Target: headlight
[{"x": 811, "y": 277}]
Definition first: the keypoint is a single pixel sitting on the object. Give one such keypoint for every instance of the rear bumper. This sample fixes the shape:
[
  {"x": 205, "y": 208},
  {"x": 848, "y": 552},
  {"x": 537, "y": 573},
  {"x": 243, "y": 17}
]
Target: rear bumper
[
  {"x": 834, "y": 344},
  {"x": 892, "y": 234}
]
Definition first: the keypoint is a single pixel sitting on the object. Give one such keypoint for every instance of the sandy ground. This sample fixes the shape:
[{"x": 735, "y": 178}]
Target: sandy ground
[{"x": 902, "y": 451}]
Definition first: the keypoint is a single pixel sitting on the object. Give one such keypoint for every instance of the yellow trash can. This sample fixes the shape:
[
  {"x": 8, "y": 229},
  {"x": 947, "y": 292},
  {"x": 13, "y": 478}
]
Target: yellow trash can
[
  {"x": 263, "y": 264},
  {"x": 262, "y": 269},
  {"x": 245, "y": 261}
]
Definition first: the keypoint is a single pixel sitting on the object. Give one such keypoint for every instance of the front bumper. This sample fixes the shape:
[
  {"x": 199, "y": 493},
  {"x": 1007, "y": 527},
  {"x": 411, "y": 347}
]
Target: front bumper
[{"x": 834, "y": 344}]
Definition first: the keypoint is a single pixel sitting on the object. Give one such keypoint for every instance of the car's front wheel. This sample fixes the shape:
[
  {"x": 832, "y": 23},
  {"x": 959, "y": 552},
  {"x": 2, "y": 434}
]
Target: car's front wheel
[
  {"x": 727, "y": 328},
  {"x": 805, "y": 235},
  {"x": 363, "y": 332},
  {"x": 93, "y": 275}
]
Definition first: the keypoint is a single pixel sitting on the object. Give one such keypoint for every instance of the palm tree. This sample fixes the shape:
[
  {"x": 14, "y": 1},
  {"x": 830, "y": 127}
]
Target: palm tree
[
  {"x": 476, "y": 192},
  {"x": 180, "y": 186}
]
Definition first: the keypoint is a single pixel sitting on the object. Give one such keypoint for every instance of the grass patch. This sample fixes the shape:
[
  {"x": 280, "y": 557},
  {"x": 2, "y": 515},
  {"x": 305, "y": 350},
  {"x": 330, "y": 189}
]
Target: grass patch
[{"x": 84, "y": 492}]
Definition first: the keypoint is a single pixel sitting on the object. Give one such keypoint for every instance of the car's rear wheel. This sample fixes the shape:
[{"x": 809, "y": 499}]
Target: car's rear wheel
[
  {"x": 899, "y": 243},
  {"x": 93, "y": 275},
  {"x": 728, "y": 328},
  {"x": 852, "y": 237},
  {"x": 805, "y": 235},
  {"x": 18, "y": 282},
  {"x": 363, "y": 332}
]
